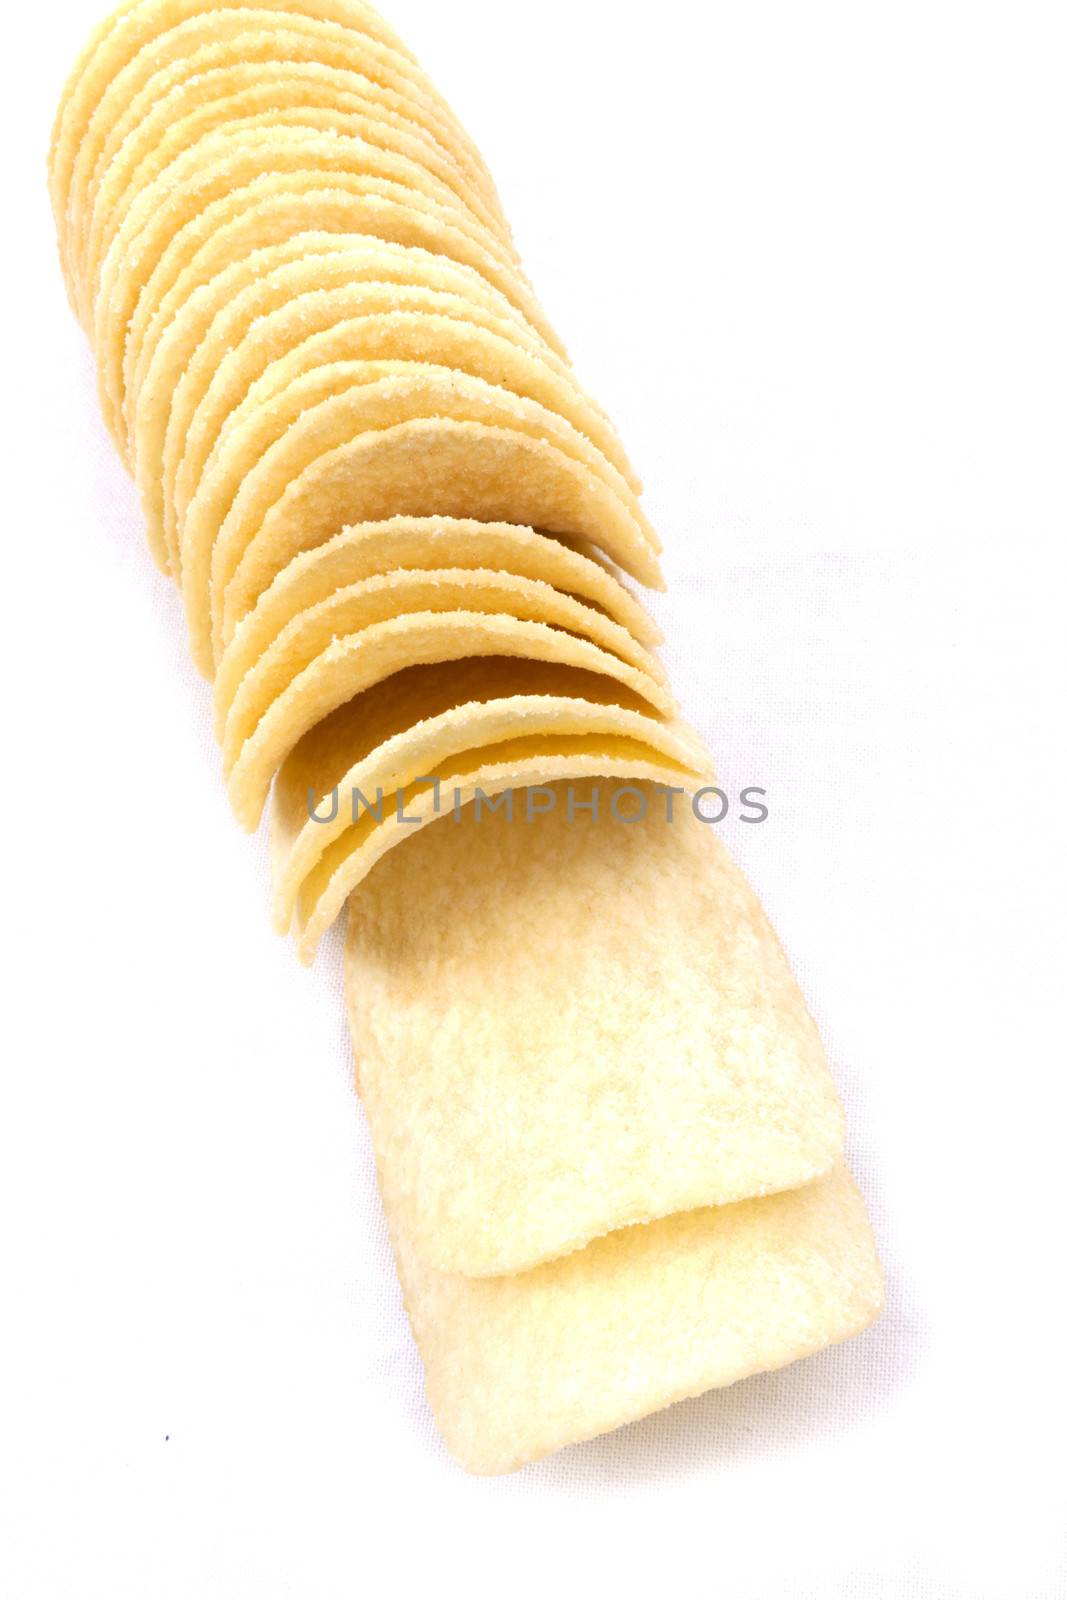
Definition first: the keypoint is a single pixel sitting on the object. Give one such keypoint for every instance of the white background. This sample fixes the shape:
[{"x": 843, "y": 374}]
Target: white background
[{"x": 812, "y": 259}]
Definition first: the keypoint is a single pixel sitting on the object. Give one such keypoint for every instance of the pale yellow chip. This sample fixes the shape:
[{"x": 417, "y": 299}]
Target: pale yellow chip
[
  {"x": 195, "y": 357},
  {"x": 121, "y": 72},
  {"x": 222, "y": 95},
  {"x": 265, "y": 207},
  {"x": 417, "y": 544},
  {"x": 182, "y": 206},
  {"x": 209, "y": 354},
  {"x": 219, "y": 345},
  {"x": 518, "y": 1367},
  {"x": 405, "y": 728},
  {"x": 590, "y": 1019},
  {"x": 178, "y": 210},
  {"x": 233, "y": 123},
  {"x": 277, "y": 328},
  {"x": 283, "y": 451},
  {"x": 121, "y": 59},
  {"x": 345, "y": 612},
  {"x": 294, "y": 45},
  {"x": 277, "y": 220},
  {"x": 138, "y": 105},
  {"x": 134, "y": 26},
  {"x": 352, "y": 664},
  {"x": 439, "y": 466},
  {"x": 225, "y": 158},
  {"x": 315, "y": 331},
  {"x": 511, "y": 772}
]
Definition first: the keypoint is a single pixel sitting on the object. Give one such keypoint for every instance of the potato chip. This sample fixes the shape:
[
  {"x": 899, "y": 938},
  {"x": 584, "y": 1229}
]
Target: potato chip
[
  {"x": 418, "y": 544},
  {"x": 495, "y": 773},
  {"x": 177, "y": 413},
  {"x": 267, "y": 334},
  {"x": 277, "y": 220},
  {"x": 395, "y": 594},
  {"x": 348, "y": 666},
  {"x": 309, "y": 137},
  {"x": 657, "y": 1057},
  {"x": 336, "y": 408},
  {"x": 243, "y": 382},
  {"x": 120, "y": 60},
  {"x": 400, "y": 730},
  {"x": 233, "y": 119},
  {"x": 270, "y": 302},
  {"x": 120, "y": 74},
  {"x": 548, "y": 742},
  {"x": 224, "y": 328},
  {"x": 164, "y": 394},
  {"x": 170, "y": 58},
  {"x": 430, "y": 466},
  {"x": 181, "y": 207},
  {"x": 518, "y": 1367},
  {"x": 198, "y": 247},
  {"x": 134, "y": 111},
  {"x": 223, "y": 94}
]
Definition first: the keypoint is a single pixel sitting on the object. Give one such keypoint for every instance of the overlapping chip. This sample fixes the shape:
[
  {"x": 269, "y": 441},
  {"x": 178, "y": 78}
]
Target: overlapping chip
[
  {"x": 412, "y": 544},
  {"x": 249, "y": 357},
  {"x": 330, "y": 791},
  {"x": 352, "y": 663},
  {"x": 608, "y": 1143},
  {"x": 520, "y": 1365},
  {"x": 614, "y": 918},
  {"x": 254, "y": 82}
]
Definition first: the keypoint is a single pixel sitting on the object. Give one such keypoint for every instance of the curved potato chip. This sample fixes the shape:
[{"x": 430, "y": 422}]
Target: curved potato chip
[
  {"x": 274, "y": 329},
  {"x": 239, "y": 377},
  {"x": 518, "y": 763},
  {"x": 201, "y": 186},
  {"x": 234, "y": 119},
  {"x": 398, "y": 215},
  {"x": 186, "y": 366},
  {"x": 223, "y": 158},
  {"x": 658, "y": 1058},
  {"x": 220, "y": 95},
  {"x": 348, "y": 611},
  {"x": 296, "y": 42},
  {"x": 121, "y": 58},
  {"x": 331, "y": 408},
  {"x": 418, "y": 326},
  {"x": 132, "y": 25},
  {"x": 277, "y": 219},
  {"x": 197, "y": 377},
  {"x": 520, "y": 1366},
  {"x": 434, "y": 466},
  {"x": 134, "y": 96},
  {"x": 65, "y": 136},
  {"x": 486, "y": 746},
  {"x": 120, "y": 70},
  {"x": 393, "y": 734},
  {"x": 349, "y": 666},
  {"x": 142, "y": 26},
  {"x": 267, "y": 304},
  {"x": 154, "y": 68},
  {"x": 418, "y": 544}
]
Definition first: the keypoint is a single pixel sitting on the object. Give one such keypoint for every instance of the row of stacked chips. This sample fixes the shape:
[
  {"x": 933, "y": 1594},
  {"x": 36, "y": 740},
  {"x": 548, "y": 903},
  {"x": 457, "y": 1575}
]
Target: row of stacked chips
[{"x": 400, "y": 527}]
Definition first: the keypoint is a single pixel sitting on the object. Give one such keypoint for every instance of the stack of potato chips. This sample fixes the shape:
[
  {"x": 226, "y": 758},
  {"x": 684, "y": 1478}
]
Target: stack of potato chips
[{"x": 608, "y": 1144}]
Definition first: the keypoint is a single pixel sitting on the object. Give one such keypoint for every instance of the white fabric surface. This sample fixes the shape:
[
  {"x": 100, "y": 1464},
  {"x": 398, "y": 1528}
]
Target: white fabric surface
[{"x": 841, "y": 373}]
